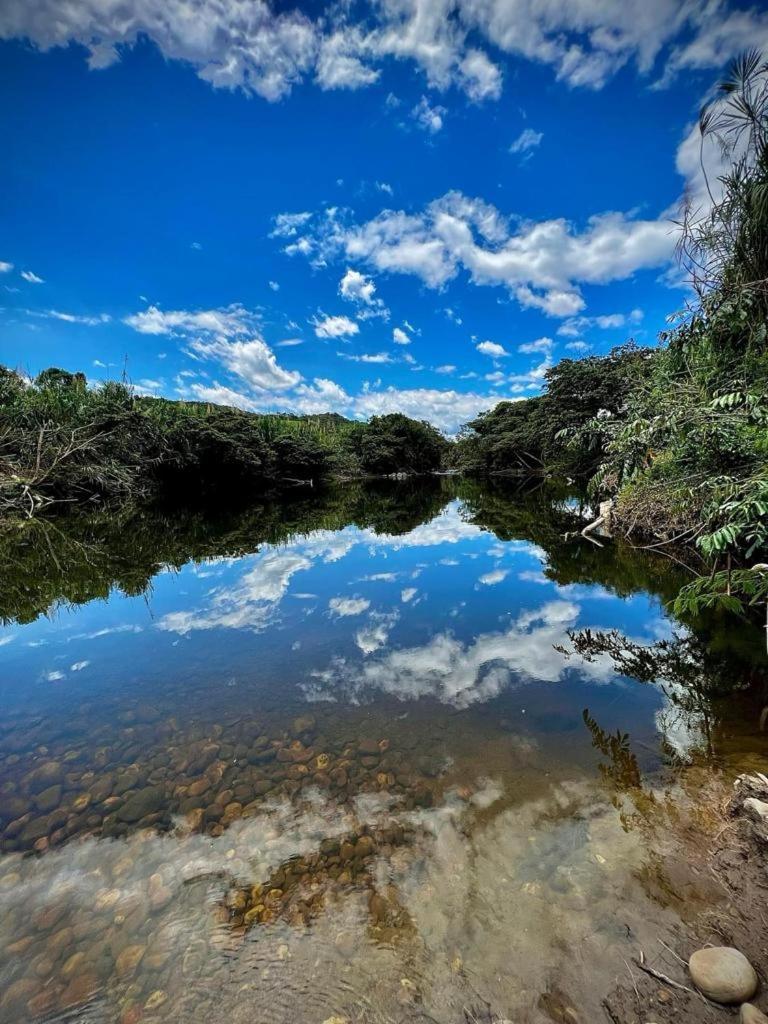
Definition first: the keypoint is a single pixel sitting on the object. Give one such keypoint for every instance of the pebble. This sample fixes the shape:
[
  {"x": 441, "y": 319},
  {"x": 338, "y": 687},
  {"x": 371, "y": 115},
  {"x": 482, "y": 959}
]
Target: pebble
[
  {"x": 723, "y": 974},
  {"x": 751, "y": 1015}
]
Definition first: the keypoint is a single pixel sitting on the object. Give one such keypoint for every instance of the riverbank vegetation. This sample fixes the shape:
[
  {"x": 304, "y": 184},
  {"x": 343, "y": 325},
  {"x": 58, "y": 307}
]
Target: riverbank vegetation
[{"x": 63, "y": 443}]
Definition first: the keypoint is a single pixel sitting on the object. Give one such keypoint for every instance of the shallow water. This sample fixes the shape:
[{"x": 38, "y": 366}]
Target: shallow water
[{"x": 334, "y": 757}]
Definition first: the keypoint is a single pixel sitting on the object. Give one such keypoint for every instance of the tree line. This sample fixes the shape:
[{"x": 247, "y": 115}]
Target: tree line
[{"x": 63, "y": 443}]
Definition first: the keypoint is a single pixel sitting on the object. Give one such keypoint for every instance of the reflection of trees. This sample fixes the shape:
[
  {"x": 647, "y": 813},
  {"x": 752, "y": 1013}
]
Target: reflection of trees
[
  {"x": 542, "y": 513},
  {"x": 81, "y": 558},
  {"x": 713, "y": 686},
  {"x": 622, "y": 770}
]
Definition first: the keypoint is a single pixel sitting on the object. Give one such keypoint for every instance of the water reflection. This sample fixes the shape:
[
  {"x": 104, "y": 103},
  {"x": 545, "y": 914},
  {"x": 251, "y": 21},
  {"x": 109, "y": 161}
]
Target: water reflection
[{"x": 330, "y": 758}]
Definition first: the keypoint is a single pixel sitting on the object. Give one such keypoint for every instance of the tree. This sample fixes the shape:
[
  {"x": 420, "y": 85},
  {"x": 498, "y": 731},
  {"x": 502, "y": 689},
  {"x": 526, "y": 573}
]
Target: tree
[{"x": 395, "y": 443}]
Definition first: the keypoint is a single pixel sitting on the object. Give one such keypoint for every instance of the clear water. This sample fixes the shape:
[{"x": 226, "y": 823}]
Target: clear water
[{"x": 332, "y": 758}]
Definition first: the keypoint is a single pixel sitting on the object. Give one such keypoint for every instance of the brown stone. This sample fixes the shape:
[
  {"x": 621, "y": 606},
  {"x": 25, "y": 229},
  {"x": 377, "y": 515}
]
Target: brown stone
[
  {"x": 127, "y": 961},
  {"x": 79, "y": 990}
]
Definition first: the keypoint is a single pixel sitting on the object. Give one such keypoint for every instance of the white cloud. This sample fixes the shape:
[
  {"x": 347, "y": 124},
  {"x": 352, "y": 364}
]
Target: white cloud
[
  {"x": 446, "y": 368},
  {"x": 540, "y": 345},
  {"x": 577, "y": 325},
  {"x": 408, "y": 594},
  {"x": 228, "y": 336},
  {"x": 429, "y": 118},
  {"x": 356, "y": 287},
  {"x": 542, "y": 263},
  {"x": 251, "y": 360},
  {"x": 383, "y": 186},
  {"x": 253, "y": 47},
  {"x": 323, "y": 395},
  {"x": 492, "y": 348},
  {"x": 400, "y": 337},
  {"x": 578, "y": 346},
  {"x": 287, "y": 224},
  {"x": 480, "y": 77},
  {"x": 5, "y": 268},
  {"x": 228, "y": 321},
  {"x": 360, "y": 289},
  {"x": 31, "y": 277},
  {"x": 274, "y": 286},
  {"x": 367, "y": 357},
  {"x": 526, "y": 142},
  {"x": 72, "y": 318},
  {"x": 491, "y": 578},
  {"x": 447, "y": 410},
  {"x": 338, "y": 62},
  {"x": 335, "y": 327},
  {"x": 346, "y": 606}
]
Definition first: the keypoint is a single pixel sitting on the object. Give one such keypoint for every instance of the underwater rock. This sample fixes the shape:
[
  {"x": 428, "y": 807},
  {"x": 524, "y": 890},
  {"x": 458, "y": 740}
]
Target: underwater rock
[
  {"x": 79, "y": 990},
  {"x": 47, "y": 774},
  {"x": 48, "y": 798},
  {"x": 723, "y": 974},
  {"x": 141, "y": 803},
  {"x": 128, "y": 960},
  {"x": 303, "y": 725}
]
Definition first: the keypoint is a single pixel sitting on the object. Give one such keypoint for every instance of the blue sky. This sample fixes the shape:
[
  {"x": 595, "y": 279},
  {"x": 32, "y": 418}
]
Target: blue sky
[{"x": 414, "y": 205}]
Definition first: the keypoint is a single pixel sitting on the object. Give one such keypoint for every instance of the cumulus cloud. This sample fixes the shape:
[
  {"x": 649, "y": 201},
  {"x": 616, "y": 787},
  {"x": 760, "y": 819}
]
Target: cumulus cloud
[
  {"x": 447, "y": 410},
  {"x": 492, "y": 348},
  {"x": 356, "y": 287},
  {"x": 335, "y": 327},
  {"x": 541, "y": 263},
  {"x": 5, "y": 268},
  {"x": 361, "y": 289},
  {"x": 400, "y": 337}
]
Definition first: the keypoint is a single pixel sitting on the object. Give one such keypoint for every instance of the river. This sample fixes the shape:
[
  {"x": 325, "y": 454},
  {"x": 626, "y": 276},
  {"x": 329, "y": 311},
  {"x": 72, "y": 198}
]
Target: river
[{"x": 335, "y": 758}]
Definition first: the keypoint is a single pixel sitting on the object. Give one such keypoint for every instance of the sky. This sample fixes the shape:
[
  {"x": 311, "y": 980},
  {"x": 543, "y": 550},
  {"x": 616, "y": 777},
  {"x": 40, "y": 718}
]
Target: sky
[{"x": 409, "y": 206}]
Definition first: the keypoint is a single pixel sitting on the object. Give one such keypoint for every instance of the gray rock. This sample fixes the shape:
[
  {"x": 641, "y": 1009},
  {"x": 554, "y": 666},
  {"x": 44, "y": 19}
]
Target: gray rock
[
  {"x": 756, "y": 809},
  {"x": 723, "y": 974},
  {"x": 751, "y": 1015}
]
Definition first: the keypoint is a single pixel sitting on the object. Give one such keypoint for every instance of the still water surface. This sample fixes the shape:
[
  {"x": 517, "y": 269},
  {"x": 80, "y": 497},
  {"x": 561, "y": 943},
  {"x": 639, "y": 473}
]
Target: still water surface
[{"x": 335, "y": 758}]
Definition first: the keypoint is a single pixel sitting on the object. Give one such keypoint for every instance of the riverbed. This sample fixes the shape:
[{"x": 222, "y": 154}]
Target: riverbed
[{"x": 334, "y": 757}]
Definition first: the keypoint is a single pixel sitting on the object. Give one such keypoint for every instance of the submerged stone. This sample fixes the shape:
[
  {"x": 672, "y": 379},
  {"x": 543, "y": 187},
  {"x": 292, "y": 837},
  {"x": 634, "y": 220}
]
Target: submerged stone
[{"x": 139, "y": 804}]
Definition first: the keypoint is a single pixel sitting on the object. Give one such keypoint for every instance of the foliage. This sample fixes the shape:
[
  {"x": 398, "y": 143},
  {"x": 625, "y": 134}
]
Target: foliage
[
  {"x": 556, "y": 431},
  {"x": 396, "y": 443},
  {"x": 62, "y": 441}
]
